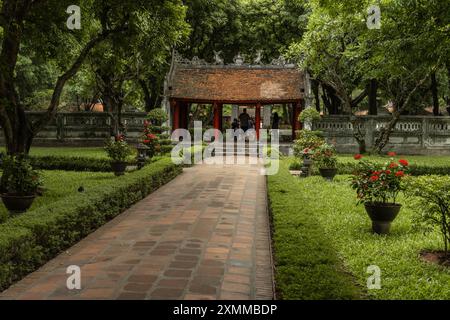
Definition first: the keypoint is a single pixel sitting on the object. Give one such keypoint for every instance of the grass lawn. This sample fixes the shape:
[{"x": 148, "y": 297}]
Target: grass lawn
[
  {"x": 98, "y": 153},
  {"x": 59, "y": 184},
  {"x": 320, "y": 233}
]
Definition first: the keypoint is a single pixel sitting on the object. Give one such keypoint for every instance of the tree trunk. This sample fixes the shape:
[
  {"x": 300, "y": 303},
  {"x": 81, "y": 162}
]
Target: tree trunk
[
  {"x": 385, "y": 133},
  {"x": 315, "y": 89},
  {"x": 372, "y": 91},
  {"x": 434, "y": 91}
]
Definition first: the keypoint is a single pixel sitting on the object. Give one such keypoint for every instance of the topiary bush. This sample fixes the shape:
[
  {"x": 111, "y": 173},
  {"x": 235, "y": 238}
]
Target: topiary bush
[{"x": 307, "y": 140}]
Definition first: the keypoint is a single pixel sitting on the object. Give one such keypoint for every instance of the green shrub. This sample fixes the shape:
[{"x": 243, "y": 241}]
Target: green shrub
[
  {"x": 309, "y": 115},
  {"x": 325, "y": 157},
  {"x": 430, "y": 198},
  {"x": 118, "y": 149},
  {"x": 28, "y": 241},
  {"x": 307, "y": 140}
]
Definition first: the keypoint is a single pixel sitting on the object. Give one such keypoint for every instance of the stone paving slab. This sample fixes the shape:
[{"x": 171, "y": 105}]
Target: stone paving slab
[{"x": 205, "y": 235}]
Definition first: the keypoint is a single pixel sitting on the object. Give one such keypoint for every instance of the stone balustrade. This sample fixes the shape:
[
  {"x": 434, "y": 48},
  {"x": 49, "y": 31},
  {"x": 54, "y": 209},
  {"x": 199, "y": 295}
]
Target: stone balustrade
[{"x": 412, "y": 134}]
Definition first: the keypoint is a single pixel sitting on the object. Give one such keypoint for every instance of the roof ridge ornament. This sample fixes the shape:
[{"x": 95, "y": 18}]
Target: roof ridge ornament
[
  {"x": 239, "y": 60},
  {"x": 218, "y": 60}
]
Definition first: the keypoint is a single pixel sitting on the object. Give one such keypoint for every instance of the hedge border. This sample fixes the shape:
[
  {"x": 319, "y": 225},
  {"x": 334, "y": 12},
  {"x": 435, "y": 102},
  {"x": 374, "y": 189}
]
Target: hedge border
[
  {"x": 346, "y": 168},
  {"x": 30, "y": 240}
]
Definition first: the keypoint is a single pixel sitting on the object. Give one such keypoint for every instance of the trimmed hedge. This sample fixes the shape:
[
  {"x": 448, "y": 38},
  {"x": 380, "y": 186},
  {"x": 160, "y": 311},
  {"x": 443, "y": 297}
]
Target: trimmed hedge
[
  {"x": 65, "y": 163},
  {"x": 28, "y": 241},
  {"x": 71, "y": 163},
  {"x": 350, "y": 167}
]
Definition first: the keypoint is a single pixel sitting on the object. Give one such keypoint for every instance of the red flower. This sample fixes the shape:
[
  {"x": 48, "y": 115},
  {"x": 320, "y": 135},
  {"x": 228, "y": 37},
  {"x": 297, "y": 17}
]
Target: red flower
[
  {"x": 392, "y": 154},
  {"x": 374, "y": 178},
  {"x": 400, "y": 174},
  {"x": 403, "y": 162},
  {"x": 393, "y": 165},
  {"x": 358, "y": 156},
  {"x": 376, "y": 173},
  {"x": 388, "y": 171},
  {"x": 151, "y": 136},
  {"x": 146, "y": 123},
  {"x": 146, "y": 141}
]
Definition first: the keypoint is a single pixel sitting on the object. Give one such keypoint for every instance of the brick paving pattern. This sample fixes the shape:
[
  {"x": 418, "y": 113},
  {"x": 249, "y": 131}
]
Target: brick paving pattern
[{"x": 205, "y": 235}]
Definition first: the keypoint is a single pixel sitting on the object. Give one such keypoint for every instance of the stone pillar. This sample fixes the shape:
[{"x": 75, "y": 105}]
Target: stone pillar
[
  {"x": 234, "y": 112},
  {"x": 267, "y": 116}
]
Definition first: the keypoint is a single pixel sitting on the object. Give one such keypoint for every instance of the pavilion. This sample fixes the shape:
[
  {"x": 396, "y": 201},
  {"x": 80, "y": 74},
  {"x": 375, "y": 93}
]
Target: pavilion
[{"x": 252, "y": 85}]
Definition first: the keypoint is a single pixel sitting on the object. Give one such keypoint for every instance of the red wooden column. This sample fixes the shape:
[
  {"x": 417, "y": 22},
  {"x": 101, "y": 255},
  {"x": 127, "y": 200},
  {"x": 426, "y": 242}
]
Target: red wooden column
[
  {"x": 217, "y": 115},
  {"x": 258, "y": 119},
  {"x": 296, "y": 125},
  {"x": 175, "y": 114}
]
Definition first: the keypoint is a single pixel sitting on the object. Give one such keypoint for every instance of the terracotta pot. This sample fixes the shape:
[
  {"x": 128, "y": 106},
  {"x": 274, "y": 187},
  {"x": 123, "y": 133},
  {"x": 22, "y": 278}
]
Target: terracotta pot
[
  {"x": 328, "y": 174},
  {"x": 119, "y": 168},
  {"x": 382, "y": 215},
  {"x": 17, "y": 203}
]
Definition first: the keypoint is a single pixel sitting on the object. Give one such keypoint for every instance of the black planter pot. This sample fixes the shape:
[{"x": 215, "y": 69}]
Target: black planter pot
[
  {"x": 328, "y": 174},
  {"x": 448, "y": 110},
  {"x": 382, "y": 216},
  {"x": 119, "y": 168},
  {"x": 16, "y": 203}
]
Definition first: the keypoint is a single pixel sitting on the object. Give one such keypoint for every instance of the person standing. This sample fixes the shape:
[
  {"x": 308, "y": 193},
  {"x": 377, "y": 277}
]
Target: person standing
[
  {"x": 276, "y": 121},
  {"x": 244, "y": 118}
]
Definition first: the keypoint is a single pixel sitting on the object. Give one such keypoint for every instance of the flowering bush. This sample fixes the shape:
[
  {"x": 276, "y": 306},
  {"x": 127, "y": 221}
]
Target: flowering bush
[
  {"x": 118, "y": 149},
  {"x": 325, "y": 157},
  {"x": 377, "y": 183},
  {"x": 307, "y": 140},
  {"x": 150, "y": 139}
]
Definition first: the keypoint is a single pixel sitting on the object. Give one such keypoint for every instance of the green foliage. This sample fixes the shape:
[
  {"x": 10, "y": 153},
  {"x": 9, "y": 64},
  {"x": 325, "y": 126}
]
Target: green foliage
[
  {"x": 309, "y": 115},
  {"x": 157, "y": 117},
  {"x": 302, "y": 207},
  {"x": 307, "y": 140},
  {"x": 28, "y": 241},
  {"x": 118, "y": 149},
  {"x": 18, "y": 177},
  {"x": 307, "y": 264},
  {"x": 325, "y": 157},
  {"x": 375, "y": 183},
  {"x": 430, "y": 199}
]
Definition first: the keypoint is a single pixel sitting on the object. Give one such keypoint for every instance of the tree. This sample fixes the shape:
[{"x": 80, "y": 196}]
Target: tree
[{"x": 41, "y": 26}]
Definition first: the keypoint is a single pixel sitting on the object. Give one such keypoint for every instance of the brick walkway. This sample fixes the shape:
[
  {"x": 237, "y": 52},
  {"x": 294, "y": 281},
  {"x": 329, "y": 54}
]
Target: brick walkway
[{"x": 205, "y": 235}]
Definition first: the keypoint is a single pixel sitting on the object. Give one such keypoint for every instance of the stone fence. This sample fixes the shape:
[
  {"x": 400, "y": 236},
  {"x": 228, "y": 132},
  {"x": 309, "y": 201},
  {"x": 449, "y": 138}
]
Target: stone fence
[
  {"x": 412, "y": 134},
  {"x": 85, "y": 128}
]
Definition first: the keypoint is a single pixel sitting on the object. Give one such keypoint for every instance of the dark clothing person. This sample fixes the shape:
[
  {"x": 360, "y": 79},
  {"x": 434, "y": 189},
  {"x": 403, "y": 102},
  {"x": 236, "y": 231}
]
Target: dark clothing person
[
  {"x": 276, "y": 121},
  {"x": 244, "y": 118},
  {"x": 235, "y": 125}
]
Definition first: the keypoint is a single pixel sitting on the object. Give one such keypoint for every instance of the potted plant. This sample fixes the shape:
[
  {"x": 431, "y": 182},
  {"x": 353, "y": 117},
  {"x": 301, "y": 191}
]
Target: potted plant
[
  {"x": 118, "y": 150},
  {"x": 377, "y": 187},
  {"x": 325, "y": 159},
  {"x": 19, "y": 184},
  {"x": 150, "y": 140},
  {"x": 307, "y": 154}
]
